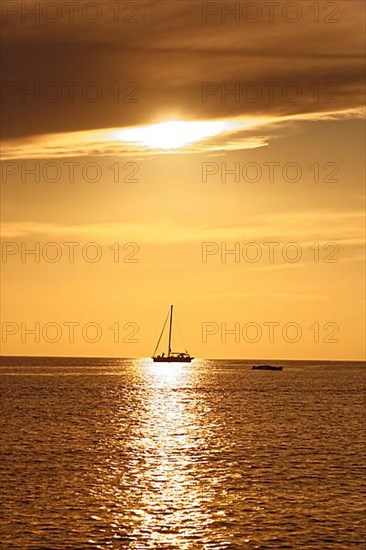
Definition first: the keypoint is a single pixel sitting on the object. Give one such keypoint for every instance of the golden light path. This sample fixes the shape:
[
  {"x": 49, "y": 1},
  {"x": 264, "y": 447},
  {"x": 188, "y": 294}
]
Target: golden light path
[
  {"x": 160, "y": 484},
  {"x": 173, "y": 134}
]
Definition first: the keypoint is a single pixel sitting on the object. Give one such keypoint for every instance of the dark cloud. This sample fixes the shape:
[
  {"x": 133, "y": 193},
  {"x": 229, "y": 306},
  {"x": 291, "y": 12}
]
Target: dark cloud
[{"x": 169, "y": 53}]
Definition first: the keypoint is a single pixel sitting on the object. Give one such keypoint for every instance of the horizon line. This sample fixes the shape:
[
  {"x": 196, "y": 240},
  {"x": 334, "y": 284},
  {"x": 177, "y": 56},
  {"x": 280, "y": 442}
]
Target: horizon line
[{"x": 199, "y": 358}]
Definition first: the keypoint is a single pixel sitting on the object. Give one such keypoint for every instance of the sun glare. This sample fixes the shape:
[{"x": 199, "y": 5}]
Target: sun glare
[{"x": 172, "y": 134}]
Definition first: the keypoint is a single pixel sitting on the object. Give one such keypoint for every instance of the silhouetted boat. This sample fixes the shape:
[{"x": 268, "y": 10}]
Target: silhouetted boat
[
  {"x": 266, "y": 367},
  {"x": 171, "y": 357}
]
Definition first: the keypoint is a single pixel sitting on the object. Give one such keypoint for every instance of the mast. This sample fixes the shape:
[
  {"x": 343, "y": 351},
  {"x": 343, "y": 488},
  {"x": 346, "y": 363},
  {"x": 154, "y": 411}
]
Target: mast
[{"x": 170, "y": 330}]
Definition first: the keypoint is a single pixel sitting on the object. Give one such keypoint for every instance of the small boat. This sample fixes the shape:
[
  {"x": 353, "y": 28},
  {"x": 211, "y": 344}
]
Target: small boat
[
  {"x": 171, "y": 357},
  {"x": 266, "y": 367}
]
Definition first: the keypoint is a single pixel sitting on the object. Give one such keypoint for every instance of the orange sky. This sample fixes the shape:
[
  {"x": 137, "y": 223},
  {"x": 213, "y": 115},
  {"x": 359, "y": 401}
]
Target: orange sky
[{"x": 176, "y": 203}]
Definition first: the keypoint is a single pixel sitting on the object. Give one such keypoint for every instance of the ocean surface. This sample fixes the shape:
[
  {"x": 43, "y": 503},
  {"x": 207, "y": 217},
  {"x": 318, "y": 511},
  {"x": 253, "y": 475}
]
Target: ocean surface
[{"x": 111, "y": 453}]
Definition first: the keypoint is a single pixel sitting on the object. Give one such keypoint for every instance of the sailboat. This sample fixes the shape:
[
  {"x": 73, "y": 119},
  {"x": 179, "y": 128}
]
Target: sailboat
[{"x": 171, "y": 357}]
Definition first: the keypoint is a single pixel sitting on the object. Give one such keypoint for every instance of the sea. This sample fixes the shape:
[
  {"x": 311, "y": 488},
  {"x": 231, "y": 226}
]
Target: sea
[{"x": 130, "y": 454}]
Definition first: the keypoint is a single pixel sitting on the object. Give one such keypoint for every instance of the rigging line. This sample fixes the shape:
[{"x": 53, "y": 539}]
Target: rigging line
[{"x": 161, "y": 334}]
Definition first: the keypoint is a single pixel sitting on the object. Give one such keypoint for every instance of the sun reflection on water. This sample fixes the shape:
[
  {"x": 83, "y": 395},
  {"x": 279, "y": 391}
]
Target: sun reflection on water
[
  {"x": 171, "y": 502},
  {"x": 158, "y": 490}
]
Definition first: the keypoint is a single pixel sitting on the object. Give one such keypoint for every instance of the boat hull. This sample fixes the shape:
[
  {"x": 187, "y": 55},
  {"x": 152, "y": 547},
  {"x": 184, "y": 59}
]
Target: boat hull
[
  {"x": 172, "y": 359},
  {"x": 266, "y": 367}
]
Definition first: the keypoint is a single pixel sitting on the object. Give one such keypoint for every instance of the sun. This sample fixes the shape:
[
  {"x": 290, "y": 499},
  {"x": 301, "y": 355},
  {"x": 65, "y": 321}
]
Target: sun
[{"x": 172, "y": 134}]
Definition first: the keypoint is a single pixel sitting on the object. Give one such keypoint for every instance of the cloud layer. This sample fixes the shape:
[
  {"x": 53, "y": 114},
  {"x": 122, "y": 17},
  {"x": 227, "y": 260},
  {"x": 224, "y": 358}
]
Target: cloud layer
[
  {"x": 236, "y": 134},
  {"x": 159, "y": 66}
]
